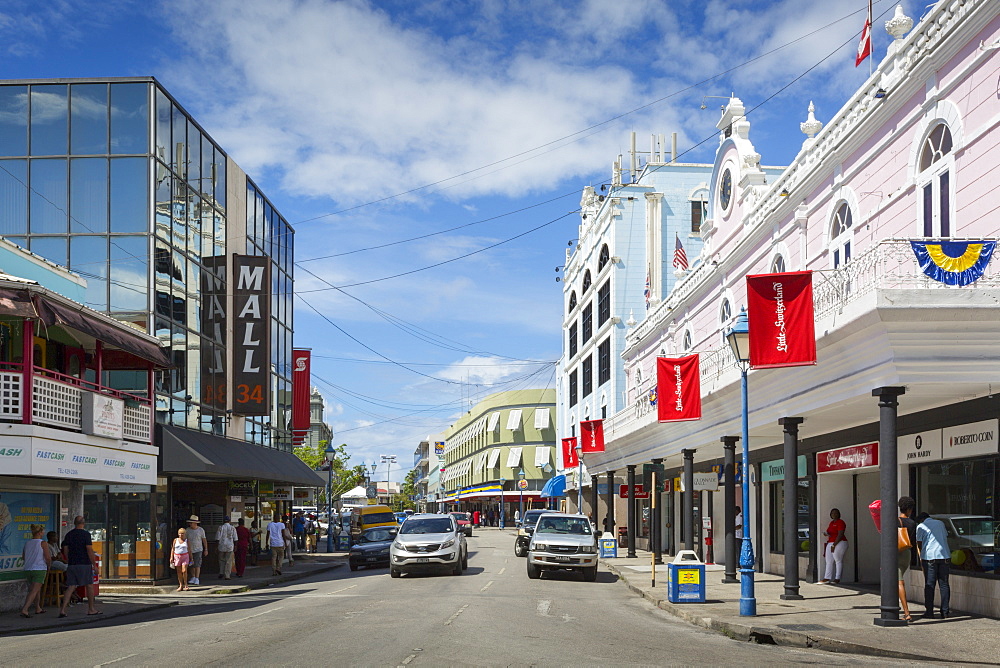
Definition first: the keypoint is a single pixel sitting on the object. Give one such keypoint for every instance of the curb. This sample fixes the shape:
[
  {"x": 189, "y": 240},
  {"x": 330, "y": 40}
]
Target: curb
[
  {"x": 291, "y": 577},
  {"x": 79, "y": 621},
  {"x": 765, "y": 634}
]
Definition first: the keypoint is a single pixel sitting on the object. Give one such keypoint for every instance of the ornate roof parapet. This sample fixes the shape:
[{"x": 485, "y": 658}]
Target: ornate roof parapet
[
  {"x": 897, "y": 27},
  {"x": 810, "y": 128}
]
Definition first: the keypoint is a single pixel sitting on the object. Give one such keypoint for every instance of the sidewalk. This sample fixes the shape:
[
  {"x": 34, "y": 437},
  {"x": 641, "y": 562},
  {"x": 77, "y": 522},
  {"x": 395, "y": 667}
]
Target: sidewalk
[
  {"x": 833, "y": 618},
  {"x": 119, "y": 600}
]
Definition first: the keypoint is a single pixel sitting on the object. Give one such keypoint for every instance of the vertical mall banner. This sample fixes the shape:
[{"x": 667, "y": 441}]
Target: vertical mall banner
[
  {"x": 592, "y": 436},
  {"x": 213, "y": 328},
  {"x": 301, "y": 386},
  {"x": 251, "y": 335},
  {"x": 678, "y": 388},
  {"x": 781, "y": 321},
  {"x": 569, "y": 454}
]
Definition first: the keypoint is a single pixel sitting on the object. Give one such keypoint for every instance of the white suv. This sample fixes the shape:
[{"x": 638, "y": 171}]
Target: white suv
[
  {"x": 428, "y": 541},
  {"x": 563, "y": 542}
]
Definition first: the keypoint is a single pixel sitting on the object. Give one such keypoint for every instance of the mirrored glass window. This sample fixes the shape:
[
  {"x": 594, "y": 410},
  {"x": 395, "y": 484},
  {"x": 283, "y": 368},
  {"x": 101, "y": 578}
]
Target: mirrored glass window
[
  {"x": 48, "y": 196},
  {"x": 220, "y": 179},
  {"x": 51, "y": 248},
  {"x": 129, "y": 273},
  {"x": 89, "y": 258},
  {"x": 163, "y": 200},
  {"x": 13, "y": 195},
  {"x": 129, "y": 201},
  {"x": 129, "y": 118},
  {"x": 163, "y": 106},
  {"x": 88, "y": 188},
  {"x": 207, "y": 169},
  {"x": 88, "y": 119},
  {"x": 178, "y": 150},
  {"x": 194, "y": 157},
  {"x": 49, "y": 120},
  {"x": 13, "y": 120}
]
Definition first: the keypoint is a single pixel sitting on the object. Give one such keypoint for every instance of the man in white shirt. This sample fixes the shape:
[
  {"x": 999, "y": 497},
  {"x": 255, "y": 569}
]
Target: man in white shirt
[
  {"x": 197, "y": 547},
  {"x": 276, "y": 540},
  {"x": 738, "y": 525},
  {"x": 226, "y": 538}
]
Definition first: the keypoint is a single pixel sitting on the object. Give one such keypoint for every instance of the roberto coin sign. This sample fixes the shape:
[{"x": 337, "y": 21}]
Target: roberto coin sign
[{"x": 251, "y": 351}]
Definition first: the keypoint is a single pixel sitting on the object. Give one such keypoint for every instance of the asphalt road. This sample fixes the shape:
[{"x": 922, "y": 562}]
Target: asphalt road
[{"x": 492, "y": 615}]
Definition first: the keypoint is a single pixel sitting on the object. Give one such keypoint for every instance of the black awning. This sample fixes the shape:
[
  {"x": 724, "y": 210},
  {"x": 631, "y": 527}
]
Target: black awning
[{"x": 197, "y": 453}]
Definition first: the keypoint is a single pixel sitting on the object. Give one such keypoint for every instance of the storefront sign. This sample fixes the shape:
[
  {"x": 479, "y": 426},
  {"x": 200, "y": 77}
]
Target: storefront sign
[
  {"x": 845, "y": 459},
  {"x": 243, "y": 487},
  {"x": 235, "y": 499},
  {"x": 639, "y": 492},
  {"x": 969, "y": 440},
  {"x": 706, "y": 481},
  {"x": 775, "y": 469},
  {"x": 252, "y": 335},
  {"x": 301, "y": 395},
  {"x": 129, "y": 489},
  {"x": 282, "y": 493},
  {"x": 918, "y": 448},
  {"x": 18, "y": 511},
  {"x": 213, "y": 327},
  {"x": 77, "y": 461},
  {"x": 102, "y": 415},
  {"x": 15, "y": 460}
]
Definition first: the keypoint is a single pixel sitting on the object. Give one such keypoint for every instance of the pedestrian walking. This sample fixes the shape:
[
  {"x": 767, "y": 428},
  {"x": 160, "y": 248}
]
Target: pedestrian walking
[
  {"x": 243, "y": 538},
  {"x": 299, "y": 530},
  {"x": 906, "y": 507},
  {"x": 197, "y": 548},
  {"x": 225, "y": 537},
  {"x": 738, "y": 523},
  {"x": 276, "y": 540},
  {"x": 180, "y": 558},
  {"x": 836, "y": 548},
  {"x": 36, "y": 567},
  {"x": 255, "y": 539},
  {"x": 311, "y": 531},
  {"x": 932, "y": 539},
  {"x": 82, "y": 564}
]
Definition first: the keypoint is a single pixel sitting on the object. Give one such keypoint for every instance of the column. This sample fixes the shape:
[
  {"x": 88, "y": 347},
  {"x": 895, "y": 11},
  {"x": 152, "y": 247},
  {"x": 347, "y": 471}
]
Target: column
[
  {"x": 687, "y": 502},
  {"x": 791, "y": 429},
  {"x": 593, "y": 501},
  {"x": 655, "y": 532},
  {"x": 27, "y": 369},
  {"x": 610, "y": 499},
  {"x": 889, "y": 492},
  {"x": 631, "y": 510},
  {"x": 729, "y": 498}
]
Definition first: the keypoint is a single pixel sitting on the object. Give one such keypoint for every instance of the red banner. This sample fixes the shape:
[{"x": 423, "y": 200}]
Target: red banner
[
  {"x": 570, "y": 456},
  {"x": 640, "y": 492},
  {"x": 592, "y": 436},
  {"x": 782, "y": 326},
  {"x": 678, "y": 389},
  {"x": 301, "y": 390},
  {"x": 844, "y": 459}
]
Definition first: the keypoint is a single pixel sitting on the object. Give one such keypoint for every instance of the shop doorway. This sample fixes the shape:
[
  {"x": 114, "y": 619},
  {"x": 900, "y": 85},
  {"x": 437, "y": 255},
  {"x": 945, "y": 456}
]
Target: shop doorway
[{"x": 850, "y": 492}]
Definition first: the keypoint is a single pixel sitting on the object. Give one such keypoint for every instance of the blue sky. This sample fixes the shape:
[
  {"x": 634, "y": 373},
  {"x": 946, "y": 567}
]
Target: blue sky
[{"x": 382, "y": 124}]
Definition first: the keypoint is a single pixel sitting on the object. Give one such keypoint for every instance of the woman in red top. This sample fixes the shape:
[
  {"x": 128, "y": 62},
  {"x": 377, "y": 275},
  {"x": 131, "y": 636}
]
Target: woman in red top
[
  {"x": 242, "y": 546},
  {"x": 836, "y": 547}
]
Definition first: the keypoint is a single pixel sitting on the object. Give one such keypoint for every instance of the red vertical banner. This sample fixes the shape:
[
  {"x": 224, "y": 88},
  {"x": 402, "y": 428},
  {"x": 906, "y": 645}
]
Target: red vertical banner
[
  {"x": 569, "y": 454},
  {"x": 301, "y": 390},
  {"x": 592, "y": 436},
  {"x": 678, "y": 389},
  {"x": 781, "y": 320}
]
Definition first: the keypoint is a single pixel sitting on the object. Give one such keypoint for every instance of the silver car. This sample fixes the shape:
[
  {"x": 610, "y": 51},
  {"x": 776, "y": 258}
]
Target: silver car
[
  {"x": 563, "y": 542},
  {"x": 428, "y": 541}
]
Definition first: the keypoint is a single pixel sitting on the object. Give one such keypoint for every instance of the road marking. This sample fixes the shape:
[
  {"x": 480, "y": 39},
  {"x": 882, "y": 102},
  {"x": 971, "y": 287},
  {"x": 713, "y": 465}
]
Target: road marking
[
  {"x": 500, "y": 572},
  {"x": 121, "y": 658},
  {"x": 452, "y": 618},
  {"x": 567, "y": 618},
  {"x": 340, "y": 590},
  {"x": 543, "y": 608},
  {"x": 487, "y": 586},
  {"x": 252, "y": 616},
  {"x": 407, "y": 660}
]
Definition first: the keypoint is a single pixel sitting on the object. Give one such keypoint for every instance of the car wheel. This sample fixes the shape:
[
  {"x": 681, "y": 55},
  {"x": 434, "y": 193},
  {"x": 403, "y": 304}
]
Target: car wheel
[
  {"x": 353, "y": 566},
  {"x": 465, "y": 561},
  {"x": 394, "y": 572},
  {"x": 518, "y": 550},
  {"x": 457, "y": 568},
  {"x": 590, "y": 574},
  {"x": 533, "y": 571}
]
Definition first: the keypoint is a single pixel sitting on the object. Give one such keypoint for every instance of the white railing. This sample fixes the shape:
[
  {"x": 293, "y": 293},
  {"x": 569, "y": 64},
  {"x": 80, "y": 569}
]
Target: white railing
[
  {"x": 11, "y": 407},
  {"x": 57, "y": 404},
  {"x": 137, "y": 423}
]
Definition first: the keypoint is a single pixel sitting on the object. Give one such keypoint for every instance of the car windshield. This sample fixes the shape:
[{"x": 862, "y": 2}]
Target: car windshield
[
  {"x": 575, "y": 525},
  {"x": 426, "y": 525},
  {"x": 377, "y": 518},
  {"x": 377, "y": 535},
  {"x": 531, "y": 517},
  {"x": 460, "y": 516},
  {"x": 972, "y": 526}
]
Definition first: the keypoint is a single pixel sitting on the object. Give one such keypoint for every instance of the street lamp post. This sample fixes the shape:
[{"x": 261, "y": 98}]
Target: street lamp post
[
  {"x": 502, "y": 524},
  {"x": 738, "y": 337},
  {"x": 372, "y": 480},
  {"x": 388, "y": 460},
  {"x": 520, "y": 495},
  {"x": 329, "y": 498}
]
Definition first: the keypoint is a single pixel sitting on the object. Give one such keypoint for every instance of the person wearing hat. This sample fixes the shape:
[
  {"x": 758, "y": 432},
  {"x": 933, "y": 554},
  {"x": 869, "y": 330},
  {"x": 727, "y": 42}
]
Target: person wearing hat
[
  {"x": 197, "y": 547},
  {"x": 226, "y": 539}
]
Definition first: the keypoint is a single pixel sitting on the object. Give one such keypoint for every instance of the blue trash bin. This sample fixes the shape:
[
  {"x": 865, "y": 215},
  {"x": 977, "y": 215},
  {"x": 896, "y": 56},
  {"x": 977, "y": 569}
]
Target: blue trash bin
[
  {"x": 609, "y": 548},
  {"x": 686, "y": 578}
]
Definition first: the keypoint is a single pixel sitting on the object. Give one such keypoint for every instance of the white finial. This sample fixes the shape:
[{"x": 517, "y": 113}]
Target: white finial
[
  {"x": 631, "y": 323},
  {"x": 811, "y": 126},
  {"x": 899, "y": 24}
]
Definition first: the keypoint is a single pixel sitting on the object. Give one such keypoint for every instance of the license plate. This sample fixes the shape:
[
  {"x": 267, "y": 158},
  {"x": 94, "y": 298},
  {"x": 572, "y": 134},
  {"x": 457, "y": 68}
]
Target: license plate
[
  {"x": 372, "y": 559},
  {"x": 422, "y": 560},
  {"x": 560, "y": 559}
]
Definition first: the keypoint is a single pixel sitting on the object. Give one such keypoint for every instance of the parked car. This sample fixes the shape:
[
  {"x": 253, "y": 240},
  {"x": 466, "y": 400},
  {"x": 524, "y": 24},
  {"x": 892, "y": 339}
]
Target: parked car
[
  {"x": 464, "y": 522},
  {"x": 524, "y": 533},
  {"x": 427, "y": 541},
  {"x": 563, "y": 542},
  {"x": 372, "y": 548},
  {"x": 975, "y": 535},
  {"x": 400, "y": 517}
]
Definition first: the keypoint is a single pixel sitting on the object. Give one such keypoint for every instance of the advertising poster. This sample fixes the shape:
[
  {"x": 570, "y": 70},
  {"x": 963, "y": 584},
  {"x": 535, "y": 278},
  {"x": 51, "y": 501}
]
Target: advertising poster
[
  {"x": 18, "y": 511},
  {"x": 782, "y": 325}
]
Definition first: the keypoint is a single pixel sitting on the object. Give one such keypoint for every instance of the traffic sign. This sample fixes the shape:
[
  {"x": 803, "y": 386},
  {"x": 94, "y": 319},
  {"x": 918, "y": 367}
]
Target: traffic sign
[
  {"x": 649, "y": 468},
  {"x": 522, "y": 484},
  {"x": 371, "y": 492},
  {"x": 640, "y": 493}
]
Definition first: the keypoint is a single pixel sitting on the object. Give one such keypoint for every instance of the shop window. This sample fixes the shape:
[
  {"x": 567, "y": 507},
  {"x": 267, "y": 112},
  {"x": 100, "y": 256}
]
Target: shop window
[
  {"x": 935, "y": 182},
  {"x": 776, "y": 495}
]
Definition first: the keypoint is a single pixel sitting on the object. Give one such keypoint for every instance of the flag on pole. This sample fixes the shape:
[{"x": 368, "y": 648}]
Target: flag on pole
[
  {"x": 680, "y": 257},
  {"x": 865, "y": 45},
  {"x": 646, "y": 292}
]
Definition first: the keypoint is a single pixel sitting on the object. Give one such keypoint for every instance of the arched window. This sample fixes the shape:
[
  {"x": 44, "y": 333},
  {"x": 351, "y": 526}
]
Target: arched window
[
  {"x": 725, "y": 313},
  {"x": 604, "y": 258},
  {"x": 935, "y": 182},
  {"x": 572, "y": 301},
  {"x": 687, "y": 341},
  {"x": 841, "y": 234},
  {"x": 778, "y": 265},
  {"x": 586, "y": 280}
]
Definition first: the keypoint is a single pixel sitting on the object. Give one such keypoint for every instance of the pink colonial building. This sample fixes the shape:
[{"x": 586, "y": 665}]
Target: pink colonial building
[{"x": 911, "y": 157}]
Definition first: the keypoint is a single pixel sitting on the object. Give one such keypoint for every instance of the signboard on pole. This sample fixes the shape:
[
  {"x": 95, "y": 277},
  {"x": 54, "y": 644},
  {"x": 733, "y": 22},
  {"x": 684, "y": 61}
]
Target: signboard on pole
[
  {"x": 301, "y": 395},
  {"x": 252, "y": 337}
]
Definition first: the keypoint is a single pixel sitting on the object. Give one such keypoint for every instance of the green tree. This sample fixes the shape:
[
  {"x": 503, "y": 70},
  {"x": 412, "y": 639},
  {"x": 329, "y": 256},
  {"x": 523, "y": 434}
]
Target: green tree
[
  {"x": 407, "y": 490},
  {"x": 345, "y": 478}
]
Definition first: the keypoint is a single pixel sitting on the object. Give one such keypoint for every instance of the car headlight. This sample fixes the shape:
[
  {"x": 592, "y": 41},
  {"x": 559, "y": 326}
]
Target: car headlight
[
  {"x": 588, "y": 549},
  {"x": 447, "y": 543},
  {"x": 539, "y": 546},
  {"x": 383, "y": 552},
  {"x": 396, "y": 544}
]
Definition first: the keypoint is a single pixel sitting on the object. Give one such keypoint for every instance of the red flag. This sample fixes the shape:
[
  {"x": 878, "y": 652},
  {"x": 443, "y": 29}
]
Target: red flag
[
  {"x": 782, "y": 326},
  {"x": 570, "y": 456},
  {"x": 678, "y": 389},
  {"x": 865, "y": 45},
  {"x": 301, "y": 386},
  {"x": 592, "y": 436}
]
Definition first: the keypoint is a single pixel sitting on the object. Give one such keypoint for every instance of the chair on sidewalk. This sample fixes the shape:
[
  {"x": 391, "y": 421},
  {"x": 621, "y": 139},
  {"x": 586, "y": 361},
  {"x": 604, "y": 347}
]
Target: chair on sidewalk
[{"x": 55, "y": 583}]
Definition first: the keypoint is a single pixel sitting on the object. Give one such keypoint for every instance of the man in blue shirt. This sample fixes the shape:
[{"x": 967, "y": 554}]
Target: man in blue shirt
[{"x": 932, "y": 538}]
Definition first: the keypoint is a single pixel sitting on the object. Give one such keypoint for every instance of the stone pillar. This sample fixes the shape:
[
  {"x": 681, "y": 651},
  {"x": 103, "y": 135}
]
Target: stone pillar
[
  {"x": 889, "y": 492},
  {"x": 791, "y": 428},
  {"x": 593, "y": 501},
  {"x": 729, "y": 498},
  {"x": 610, "y": 499},
  {"x": 687, "y": 502},
  {"x": 631, "y": 510},
  {"x": 656, "y": 533}
]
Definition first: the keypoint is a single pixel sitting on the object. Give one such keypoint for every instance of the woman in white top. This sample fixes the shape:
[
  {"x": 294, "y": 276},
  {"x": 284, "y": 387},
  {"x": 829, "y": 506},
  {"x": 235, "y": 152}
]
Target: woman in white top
[
  {"x": 36, "y": 567},
  {"x": 180, "y": 557}
]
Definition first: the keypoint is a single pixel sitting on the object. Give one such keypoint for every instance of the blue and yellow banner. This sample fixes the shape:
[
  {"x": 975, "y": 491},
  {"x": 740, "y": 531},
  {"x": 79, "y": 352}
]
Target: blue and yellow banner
[{"x": 954, "y": 262}]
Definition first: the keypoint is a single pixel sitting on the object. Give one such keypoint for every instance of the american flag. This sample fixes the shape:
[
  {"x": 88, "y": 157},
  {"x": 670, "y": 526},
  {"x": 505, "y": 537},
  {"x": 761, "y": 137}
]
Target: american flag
[
  {"x": 645, "y": 292},
  {"x": 680, "y": 257}
]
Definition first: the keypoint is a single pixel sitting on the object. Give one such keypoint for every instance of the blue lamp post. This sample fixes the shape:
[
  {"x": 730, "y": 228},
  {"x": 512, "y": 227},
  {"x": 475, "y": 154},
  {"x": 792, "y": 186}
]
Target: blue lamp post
[
  {"x": 520, "y": 496},
  {"x": 502, "y": 524},
  {"x": 738, "y": 337},
  {"x": 329, "y": 498}
]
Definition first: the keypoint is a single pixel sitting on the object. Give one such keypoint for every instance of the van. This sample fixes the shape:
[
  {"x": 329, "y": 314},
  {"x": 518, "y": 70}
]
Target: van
[{"x": 366, "y": 517}]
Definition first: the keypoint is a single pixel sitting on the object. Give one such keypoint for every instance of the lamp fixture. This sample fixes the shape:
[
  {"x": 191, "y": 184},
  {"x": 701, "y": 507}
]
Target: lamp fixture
[
  {"x": 738, "y": 337},
  {"x": 784, "y": 192},
  {"x": 880, "y": 93},
  {"x": 615, "y": 259}
]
